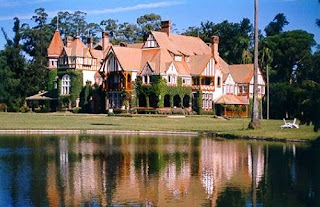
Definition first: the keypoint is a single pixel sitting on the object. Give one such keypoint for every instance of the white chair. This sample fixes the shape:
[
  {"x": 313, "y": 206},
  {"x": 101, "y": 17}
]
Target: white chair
[{"x": 287, "y": 125}]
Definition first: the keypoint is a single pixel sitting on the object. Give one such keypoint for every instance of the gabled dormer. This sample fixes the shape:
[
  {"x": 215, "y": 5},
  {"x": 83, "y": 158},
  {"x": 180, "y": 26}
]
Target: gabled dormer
[
  {"x": 146, "y": 73},
  {"x": 171, "y": 74},
  {"x": 151, "y": 42}
]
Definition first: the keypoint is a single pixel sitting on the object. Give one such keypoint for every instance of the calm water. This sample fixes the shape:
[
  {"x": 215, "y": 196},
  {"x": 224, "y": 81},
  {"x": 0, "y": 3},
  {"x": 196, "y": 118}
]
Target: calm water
[{"x": 156, "y": 171}]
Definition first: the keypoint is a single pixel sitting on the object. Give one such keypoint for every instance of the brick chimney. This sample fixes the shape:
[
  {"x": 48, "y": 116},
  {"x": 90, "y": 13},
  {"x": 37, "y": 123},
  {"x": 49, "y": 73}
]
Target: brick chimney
[
  {"x": 89, "y": 42},
  {"x": 105, "y": 40},
  {"x": 69, "y": 40},
  {"x": 166, "y": 27},
  {"x": 215, "y": 47}
]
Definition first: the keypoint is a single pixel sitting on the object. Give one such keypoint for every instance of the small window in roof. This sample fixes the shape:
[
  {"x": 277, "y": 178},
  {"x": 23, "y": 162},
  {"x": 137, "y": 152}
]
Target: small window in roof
[
  {"x": 177, "y": 58},
  {"x": 187, "y": 59}
]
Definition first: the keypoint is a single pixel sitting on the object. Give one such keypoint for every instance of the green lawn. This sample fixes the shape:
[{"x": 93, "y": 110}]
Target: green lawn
[{"x": 236, "y": 126}]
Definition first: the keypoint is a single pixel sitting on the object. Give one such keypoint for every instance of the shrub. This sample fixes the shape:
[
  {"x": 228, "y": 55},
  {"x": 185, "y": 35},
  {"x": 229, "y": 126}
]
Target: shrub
[
  {"x": 3, "y": 107},
  {"x": 76, "y": 110},
  {"x": 24, "y": 109}
]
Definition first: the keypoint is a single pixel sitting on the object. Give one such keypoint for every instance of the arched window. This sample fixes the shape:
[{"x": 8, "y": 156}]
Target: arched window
[{"x": 65, "y": 85}]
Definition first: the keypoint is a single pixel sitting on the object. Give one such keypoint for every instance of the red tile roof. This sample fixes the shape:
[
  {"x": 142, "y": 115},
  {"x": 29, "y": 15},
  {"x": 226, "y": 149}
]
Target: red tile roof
[
  {"x": 232, "y": 99},
  {"x": 241, "y": 73},
  {"x": 56, "y": 46}
]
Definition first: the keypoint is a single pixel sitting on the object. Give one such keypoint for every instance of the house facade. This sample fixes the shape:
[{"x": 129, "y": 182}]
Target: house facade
[
  {"x": 74, "y": 68},
  {"x": 176, "y": 71},
  {"x": 167, "y": 72}
]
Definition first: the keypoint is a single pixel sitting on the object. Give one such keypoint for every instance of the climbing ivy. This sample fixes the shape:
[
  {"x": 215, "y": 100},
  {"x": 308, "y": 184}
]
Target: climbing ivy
[
  {"x": 52, "y": 74},
  {"x": 76, "y": 84},
  {"x": 159, "y": 88}
]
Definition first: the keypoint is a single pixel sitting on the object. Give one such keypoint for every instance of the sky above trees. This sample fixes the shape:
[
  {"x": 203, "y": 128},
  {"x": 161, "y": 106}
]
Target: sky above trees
[{"x": 301, "y": 14}]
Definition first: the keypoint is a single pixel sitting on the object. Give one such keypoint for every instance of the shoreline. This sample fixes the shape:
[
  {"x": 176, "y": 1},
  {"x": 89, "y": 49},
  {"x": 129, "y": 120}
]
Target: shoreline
[{"x": 137, "y": 132}]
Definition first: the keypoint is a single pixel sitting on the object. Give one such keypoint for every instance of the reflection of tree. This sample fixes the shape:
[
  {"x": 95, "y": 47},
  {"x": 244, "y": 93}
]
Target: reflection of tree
[{"x": 231, "y": 196}]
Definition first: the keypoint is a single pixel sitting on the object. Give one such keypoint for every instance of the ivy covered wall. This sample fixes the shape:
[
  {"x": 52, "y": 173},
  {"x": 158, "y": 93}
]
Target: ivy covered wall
[
  {"x": 75, "y": 89},
  {"x": 160, "y": 89}
]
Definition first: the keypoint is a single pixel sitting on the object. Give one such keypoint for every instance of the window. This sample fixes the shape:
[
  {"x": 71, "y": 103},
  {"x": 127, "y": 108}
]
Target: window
[
  {"x": 187, "y": 59},
  {"x": 206, "y": 81},
  {"x": 177, "y": 58},
  {"x": 195, "y": 80},
  {"x": 219, "y": 82},
  {"x": 171, "y": 79},
  {"x": 146, "y": 79},
  {"x": 65, "y": 85}
]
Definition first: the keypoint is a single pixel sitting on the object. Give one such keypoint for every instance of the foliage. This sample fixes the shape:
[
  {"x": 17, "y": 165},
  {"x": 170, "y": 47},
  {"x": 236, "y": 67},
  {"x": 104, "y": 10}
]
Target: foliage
[
  {"x": 290, "y": 50},
  {"x": 52, "y": 74},
  {"x": 12, "y": 64},
  {"x": 3, "y": 107},
  {"x": 148, "y": 23},
  {"x": 276, "y": 26},
  {"x": 235, "y": 39},
  {"x": 159, "y": 88},
  {"x": 76, "y": 84},
  {"x": 76, "y": 110},
  {"x": 75, "y": 24},
  {"x": 85, "y": 96}
]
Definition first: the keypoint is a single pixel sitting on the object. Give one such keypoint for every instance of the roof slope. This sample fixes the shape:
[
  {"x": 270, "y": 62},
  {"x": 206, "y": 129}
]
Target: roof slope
[
  {"x": 181, "y": 44},
  {"x": 232, "y": 99},
  {"x": 198, "y": 63},
  {"x": 56, "y": 46},
  {"x": 241, "y": 73},
  {"x": 129, "y": 58},
  {"x": 77, "y": 48}
]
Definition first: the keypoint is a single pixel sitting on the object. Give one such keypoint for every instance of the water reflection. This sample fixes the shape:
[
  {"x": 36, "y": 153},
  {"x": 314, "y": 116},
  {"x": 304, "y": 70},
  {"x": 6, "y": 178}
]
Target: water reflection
[{"x": 155, "y": 171}]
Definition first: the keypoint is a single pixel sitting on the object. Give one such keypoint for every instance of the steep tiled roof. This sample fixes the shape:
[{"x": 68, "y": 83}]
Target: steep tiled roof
[
  {"x": 136, "y": 45},
  {"x": 224, "y": 67},
  {"x": 241, "y": 73},
  {"x": 198, "y": 63},
  {"x": 77, "y": 48},
  {"x": 129, "y": 58},
  {"x": 180, "y": 44},
  {"x": 56, "y": 46},
  {"x": 232, "y": 99}
]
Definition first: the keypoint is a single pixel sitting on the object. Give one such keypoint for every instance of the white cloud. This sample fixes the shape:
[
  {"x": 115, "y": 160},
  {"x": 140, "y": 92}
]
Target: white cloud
[{"x": 101, "y": 11}]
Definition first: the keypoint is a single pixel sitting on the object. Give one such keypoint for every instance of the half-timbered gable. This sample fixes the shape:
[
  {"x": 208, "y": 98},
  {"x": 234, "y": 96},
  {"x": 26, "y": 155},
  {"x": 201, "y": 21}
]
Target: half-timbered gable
[{"x": 151, "y": 42}]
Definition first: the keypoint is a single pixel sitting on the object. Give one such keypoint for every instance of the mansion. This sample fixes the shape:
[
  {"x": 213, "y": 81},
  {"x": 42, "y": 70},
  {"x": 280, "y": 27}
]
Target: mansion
[{"x": 168, "y": 71}]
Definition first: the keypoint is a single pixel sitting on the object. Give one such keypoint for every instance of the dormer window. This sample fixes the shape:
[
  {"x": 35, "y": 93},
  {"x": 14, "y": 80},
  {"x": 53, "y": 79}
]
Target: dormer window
[
  {"x": 177, "y": 58},
  {"x": 187, "y": 59}
]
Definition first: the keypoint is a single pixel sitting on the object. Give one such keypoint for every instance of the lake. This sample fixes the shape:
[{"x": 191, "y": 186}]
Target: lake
[{"x": 132, "y": 170}]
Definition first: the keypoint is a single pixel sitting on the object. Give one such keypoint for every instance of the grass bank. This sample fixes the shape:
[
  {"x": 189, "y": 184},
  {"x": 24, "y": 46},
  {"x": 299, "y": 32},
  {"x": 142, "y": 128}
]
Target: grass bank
[{"x": 229, "y": 128}]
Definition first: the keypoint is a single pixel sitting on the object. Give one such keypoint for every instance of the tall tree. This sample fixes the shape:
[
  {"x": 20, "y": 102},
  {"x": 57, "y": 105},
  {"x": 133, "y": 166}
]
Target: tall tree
[
  {"x": 276, "y": 26},
  {"x": 147, "y": 23},
  {"x": 255, "y": 122},
  {"x": 36, "y": 40},
  {"x": 235, "y": 39},
  {"x": 12, "y": 64}
]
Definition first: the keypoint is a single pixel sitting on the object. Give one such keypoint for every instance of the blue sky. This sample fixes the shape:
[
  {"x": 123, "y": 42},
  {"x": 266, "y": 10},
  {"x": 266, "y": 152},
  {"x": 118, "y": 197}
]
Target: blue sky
[{"x": 183, "y": 13}]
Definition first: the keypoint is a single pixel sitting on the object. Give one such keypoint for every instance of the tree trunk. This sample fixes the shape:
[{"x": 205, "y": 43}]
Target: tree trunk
[{"x": 255, "y": 122}]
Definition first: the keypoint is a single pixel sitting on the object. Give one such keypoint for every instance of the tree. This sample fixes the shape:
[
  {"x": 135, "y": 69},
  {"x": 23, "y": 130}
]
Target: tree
[
  {"x": 255, "y": 122},
  {"x": 12, "y": 64},
  {"x": 75, "y": 24},
  {"x": 290, "y": 51},
  {"x": 276, "y": 26},
  {"x": 148, "y": 23},
  {"x": 235, "y": 39}
]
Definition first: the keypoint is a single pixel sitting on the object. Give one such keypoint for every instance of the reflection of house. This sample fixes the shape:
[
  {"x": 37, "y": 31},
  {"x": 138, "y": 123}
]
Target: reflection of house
[{"x": 173, "y": 70}]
